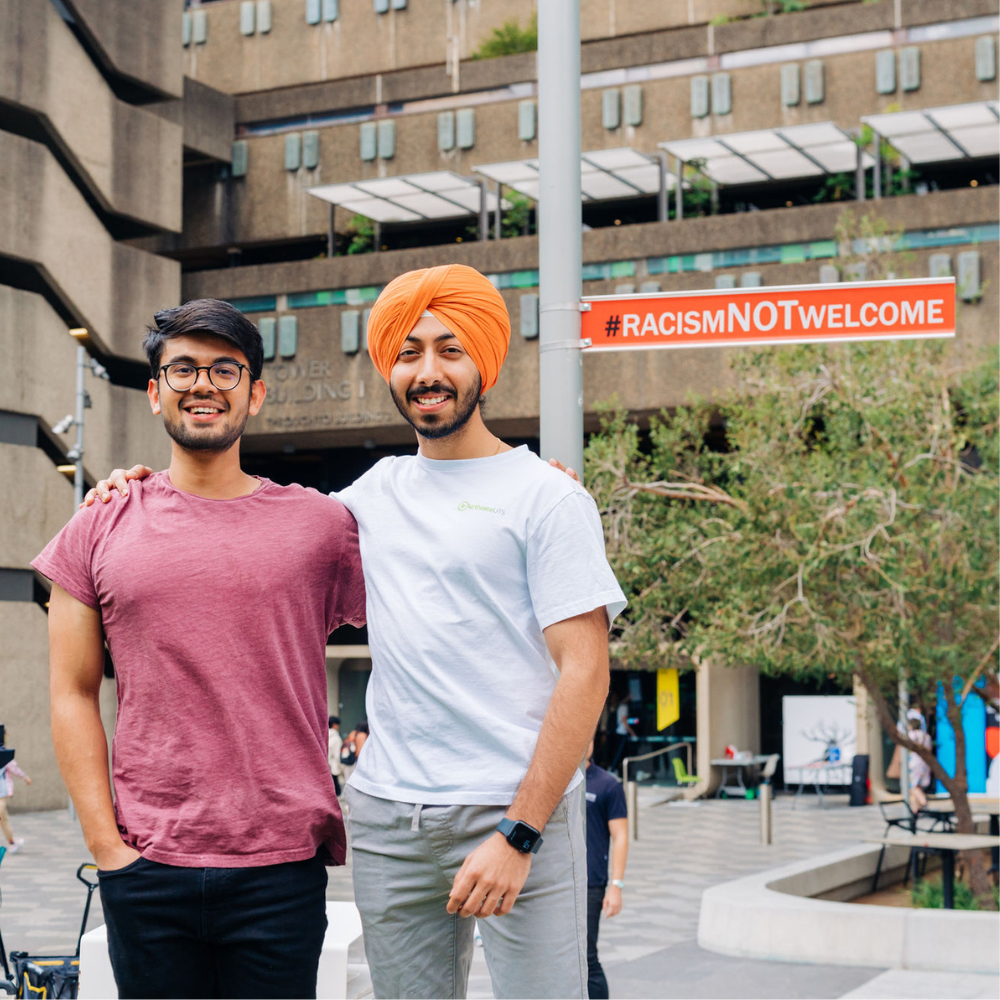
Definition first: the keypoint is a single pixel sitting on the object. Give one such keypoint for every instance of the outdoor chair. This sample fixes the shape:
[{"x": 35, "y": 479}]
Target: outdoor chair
[
  {"x": 681, "y": 774},
  {"x": 909, "y": 821}
]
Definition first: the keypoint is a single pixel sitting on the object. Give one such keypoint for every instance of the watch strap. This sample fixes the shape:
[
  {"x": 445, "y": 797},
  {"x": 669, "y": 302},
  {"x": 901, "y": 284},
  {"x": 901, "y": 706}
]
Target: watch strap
[
  {"x": 618, "y": 883},
  {"x": 520, "y": 835}
]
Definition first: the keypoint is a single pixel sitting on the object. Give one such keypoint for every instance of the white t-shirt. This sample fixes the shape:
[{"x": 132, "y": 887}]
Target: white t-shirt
[{"x": 466, "y": 562}]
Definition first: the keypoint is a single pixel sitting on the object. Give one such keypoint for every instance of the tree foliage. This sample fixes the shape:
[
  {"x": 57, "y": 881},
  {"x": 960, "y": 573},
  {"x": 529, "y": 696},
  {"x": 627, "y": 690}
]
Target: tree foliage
[
  {"x": 509, "y": 39},
  {"x": 360, "y": 235},
  {"x": 835, "y": 514}
]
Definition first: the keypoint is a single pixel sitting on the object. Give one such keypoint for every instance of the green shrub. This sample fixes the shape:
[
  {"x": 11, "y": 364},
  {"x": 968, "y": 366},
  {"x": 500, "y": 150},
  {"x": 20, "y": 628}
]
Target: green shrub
[
  {"x": 509, "y": 40},
  {"x": 361, "y": 233},
  {"x": 930, "y": 895}
]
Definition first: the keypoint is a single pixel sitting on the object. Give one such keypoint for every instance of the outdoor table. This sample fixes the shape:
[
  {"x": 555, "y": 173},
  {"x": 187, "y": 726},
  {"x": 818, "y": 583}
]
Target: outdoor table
[
  {"x": 738, "y": 766},
  {"x": 990, "y": 806},
  {"x": 978, "y": 804},
  {"x": 816, "y": 771},
  {"x": 944, "y": 844}
]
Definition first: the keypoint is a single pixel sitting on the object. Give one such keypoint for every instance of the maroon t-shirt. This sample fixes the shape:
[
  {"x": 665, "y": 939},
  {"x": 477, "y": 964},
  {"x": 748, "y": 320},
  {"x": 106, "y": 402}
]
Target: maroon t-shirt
[{"x": 217, "y": 614}]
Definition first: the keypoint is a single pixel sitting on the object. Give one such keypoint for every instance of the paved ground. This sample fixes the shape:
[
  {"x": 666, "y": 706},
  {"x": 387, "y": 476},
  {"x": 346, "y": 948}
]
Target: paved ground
[{"x": 648, "y": 951}]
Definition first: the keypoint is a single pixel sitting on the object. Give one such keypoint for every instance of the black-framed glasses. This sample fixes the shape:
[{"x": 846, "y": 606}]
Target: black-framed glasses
[{"x": 182, "y": 375}]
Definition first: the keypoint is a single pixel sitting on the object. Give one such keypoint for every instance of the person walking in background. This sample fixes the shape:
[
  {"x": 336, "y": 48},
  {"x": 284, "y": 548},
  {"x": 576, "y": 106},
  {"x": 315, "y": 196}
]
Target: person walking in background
[
  {"x": 607, "y": 831},
  {"x": 351, "y": 747},
  {"x": 623, "y": 732},
  {"x": 7, "y": 775},
  {"x": 919, "y": 769},
  {"x": 333, "y": 751}
]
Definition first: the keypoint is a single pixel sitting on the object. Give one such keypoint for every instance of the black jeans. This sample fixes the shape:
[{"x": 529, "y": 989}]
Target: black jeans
[
  {"x": 597, "y": 983},
  {"x": 215, "y": 932},
  {"x": 623, "y": 741}
]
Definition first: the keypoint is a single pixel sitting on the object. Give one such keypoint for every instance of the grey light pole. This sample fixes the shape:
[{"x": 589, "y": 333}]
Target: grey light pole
[
  {"x": 560, "y": 253},
  {"x": 83, "y": 362},
  {"x": 81, "y": 404}
]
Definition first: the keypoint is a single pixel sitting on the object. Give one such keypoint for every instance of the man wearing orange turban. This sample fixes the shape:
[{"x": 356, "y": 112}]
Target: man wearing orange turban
[{"x": 489, "y": 598}]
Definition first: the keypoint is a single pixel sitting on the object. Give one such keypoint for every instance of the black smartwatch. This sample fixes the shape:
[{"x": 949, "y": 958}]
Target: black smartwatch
[{"x": 520, "y": 836}]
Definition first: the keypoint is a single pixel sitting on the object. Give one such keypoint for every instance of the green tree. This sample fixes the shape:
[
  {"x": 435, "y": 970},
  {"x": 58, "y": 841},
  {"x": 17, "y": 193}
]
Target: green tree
[
  {"x": 509, "y": 39},
  {"x": 360, "y": 234},
  {"x": 845, "y": 527},
  {"x": 515, "y": 218}
]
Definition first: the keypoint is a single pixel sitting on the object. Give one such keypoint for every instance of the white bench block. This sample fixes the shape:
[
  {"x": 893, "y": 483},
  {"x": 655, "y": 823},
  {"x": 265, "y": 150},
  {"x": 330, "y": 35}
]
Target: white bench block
[
  {"x": 342, "y": 930},
  {"x": 97, "y": 981}
]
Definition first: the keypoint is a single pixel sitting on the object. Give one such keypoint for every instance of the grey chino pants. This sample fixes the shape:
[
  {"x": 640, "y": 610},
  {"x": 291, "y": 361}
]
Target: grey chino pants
[{"x": 405, "y": 859}]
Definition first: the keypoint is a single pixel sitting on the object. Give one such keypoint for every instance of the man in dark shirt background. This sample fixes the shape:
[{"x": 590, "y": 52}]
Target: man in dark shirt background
[{"x": 607, "y": 828}]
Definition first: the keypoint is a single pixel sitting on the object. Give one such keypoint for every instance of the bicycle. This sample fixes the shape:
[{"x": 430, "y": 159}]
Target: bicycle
[{"x": 42, "y": 977}]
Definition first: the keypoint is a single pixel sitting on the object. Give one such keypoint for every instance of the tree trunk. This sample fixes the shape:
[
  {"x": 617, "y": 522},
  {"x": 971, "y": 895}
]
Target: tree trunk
[
  {"x": 957, "y": 786},
  {"x": 979, "y": 879}
]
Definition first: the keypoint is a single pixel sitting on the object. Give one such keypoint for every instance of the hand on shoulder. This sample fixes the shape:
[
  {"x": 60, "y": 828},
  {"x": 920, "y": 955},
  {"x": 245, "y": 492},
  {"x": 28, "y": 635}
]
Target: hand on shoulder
[
  {"x": 556, "y": 464},
  {"x": 118, "y": 479}
]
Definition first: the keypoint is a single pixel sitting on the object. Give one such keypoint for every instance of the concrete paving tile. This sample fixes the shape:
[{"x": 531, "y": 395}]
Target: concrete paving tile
[
  {"x": 907, "y": 984},
  {"x": 685, "y": 970}
]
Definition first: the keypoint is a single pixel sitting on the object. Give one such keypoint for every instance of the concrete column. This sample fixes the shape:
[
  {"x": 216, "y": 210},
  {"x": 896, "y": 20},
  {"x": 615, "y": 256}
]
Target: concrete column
[
  {"x": 877, "y": 172},
  {"x": 728, "y": 712},
  {"x": 859, "y": 175},
  {"x": 484, "y": 215},
  {"x": 662, "y": 208},
  {"x": 679, "y": 192}
]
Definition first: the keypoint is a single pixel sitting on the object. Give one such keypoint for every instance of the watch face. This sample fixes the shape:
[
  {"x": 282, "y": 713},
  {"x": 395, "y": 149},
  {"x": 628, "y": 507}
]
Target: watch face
[
  {"x": 520, "y": 836},
  {"x": 523, "y": 837}
]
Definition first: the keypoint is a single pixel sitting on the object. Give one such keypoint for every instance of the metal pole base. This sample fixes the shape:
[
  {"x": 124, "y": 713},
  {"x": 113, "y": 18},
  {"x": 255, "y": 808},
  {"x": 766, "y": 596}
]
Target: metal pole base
[
  {"x": 764, "y": 794},
  {"x": 632, "y": 805}
]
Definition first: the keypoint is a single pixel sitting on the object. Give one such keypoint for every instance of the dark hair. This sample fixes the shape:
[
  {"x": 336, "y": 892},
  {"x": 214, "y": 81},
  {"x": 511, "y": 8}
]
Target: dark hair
[
  {"x": 362, "y": 727},
  {"x": 334, "y": 721},
  {"x": 211, "y": 316}
]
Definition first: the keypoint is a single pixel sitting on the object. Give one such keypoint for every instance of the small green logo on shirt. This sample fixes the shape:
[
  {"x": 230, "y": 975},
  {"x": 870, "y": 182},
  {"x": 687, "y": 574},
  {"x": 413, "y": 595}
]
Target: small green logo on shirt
[{"x": 465, "y": 505}]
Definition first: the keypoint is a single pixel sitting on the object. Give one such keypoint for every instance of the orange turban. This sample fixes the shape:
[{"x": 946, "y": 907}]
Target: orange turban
[{"x": 459, "y": 297}]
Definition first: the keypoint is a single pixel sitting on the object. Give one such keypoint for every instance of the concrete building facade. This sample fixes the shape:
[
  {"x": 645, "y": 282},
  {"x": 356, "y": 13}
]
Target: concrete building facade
[
  {"x": 166, "y": 151},
  {"x": 87, "y": 158}
]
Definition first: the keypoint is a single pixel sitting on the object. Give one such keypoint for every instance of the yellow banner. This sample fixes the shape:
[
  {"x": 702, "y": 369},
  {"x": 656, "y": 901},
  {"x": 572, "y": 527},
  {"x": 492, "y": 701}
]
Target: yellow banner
[{"x": 668, "y": 702}]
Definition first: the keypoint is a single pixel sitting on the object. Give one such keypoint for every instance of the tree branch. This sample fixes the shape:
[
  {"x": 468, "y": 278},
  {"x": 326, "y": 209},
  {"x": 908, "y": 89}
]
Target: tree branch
[
  {"x": 971, "y": 682},
  {"x": 683, "y": 491},
  {"x": 891, "y": 727}
]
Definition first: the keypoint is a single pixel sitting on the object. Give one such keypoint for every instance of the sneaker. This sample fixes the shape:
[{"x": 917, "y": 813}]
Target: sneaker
[{"x": 15, "y": 846}]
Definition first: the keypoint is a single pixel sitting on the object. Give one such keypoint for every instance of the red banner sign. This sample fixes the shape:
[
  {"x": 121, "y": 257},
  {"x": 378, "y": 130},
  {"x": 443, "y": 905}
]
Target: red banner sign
[{"x": 791, "y": 314}]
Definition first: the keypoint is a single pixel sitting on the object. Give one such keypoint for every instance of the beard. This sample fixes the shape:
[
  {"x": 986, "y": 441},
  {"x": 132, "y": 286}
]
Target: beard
[
  {"x": 432, "y": 425},
  {"x": 218, "y": 439}
]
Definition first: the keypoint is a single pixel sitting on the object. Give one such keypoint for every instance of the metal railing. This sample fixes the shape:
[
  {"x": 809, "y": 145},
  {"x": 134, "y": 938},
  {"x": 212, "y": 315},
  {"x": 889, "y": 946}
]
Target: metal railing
[{"x": 632, "y": 788}]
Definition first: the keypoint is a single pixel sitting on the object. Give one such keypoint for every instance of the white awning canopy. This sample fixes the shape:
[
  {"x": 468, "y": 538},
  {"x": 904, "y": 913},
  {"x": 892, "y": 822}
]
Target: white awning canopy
[
  {"x": 771, "y": 154},
  {"x": 605, "y": 174},
  {"x": 957, "y": 132},
  {"x": 409, "y": 198}
]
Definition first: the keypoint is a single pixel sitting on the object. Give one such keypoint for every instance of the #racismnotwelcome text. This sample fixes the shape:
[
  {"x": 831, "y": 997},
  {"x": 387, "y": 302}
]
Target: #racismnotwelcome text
[{"x": 880, "y": 310}]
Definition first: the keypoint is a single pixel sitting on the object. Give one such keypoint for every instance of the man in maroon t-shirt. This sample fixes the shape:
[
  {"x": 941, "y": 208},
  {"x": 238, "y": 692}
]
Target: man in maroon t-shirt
[{"x": 216, "y": 592}]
